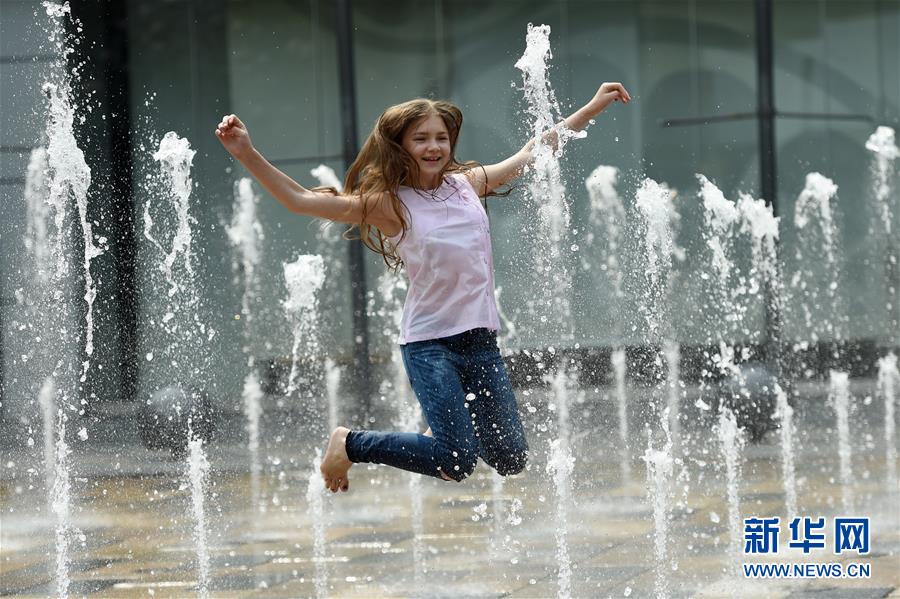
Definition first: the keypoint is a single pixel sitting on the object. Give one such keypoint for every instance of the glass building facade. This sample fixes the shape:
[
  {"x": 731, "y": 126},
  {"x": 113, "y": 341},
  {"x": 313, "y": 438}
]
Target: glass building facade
[{"x": 691, "y": 66}]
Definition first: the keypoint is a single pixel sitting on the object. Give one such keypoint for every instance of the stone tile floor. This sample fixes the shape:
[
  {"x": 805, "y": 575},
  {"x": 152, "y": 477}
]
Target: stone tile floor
[{"x": 480, "y": 538}]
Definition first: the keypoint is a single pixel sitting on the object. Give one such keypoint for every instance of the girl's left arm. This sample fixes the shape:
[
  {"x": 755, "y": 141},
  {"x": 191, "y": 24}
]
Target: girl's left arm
[{"x": 492, "y": 176}]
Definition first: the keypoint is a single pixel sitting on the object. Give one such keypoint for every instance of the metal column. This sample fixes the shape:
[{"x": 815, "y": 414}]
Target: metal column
[
  {"x": 118, "y": 102},
  {"x": 768, "y": 173}
]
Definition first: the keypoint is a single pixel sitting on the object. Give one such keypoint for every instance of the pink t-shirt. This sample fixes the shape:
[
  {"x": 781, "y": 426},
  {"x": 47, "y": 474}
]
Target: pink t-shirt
[{"x": 447, "y": 253}]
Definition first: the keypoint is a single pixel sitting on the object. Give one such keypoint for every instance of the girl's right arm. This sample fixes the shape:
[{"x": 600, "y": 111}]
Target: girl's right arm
[
  {"x": 342, "y": 208},
  {"x": 494, "y": 175}
]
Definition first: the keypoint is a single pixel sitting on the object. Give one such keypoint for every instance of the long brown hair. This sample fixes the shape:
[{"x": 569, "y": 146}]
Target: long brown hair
[{"x": 383, "y": 165}]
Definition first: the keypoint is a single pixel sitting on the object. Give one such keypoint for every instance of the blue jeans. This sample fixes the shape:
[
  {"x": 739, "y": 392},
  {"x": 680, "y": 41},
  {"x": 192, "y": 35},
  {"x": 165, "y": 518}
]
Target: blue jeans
[{"x": 465, "y": 394}]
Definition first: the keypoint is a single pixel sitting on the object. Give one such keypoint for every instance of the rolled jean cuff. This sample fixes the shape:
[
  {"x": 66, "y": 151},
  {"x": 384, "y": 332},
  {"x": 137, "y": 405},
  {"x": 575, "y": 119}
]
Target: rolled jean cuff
[{"x": 352, "y": 451}]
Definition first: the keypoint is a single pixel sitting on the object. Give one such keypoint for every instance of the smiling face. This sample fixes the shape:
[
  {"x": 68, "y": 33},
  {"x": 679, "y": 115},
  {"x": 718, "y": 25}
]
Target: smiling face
[{"x": 428, "y": 142}]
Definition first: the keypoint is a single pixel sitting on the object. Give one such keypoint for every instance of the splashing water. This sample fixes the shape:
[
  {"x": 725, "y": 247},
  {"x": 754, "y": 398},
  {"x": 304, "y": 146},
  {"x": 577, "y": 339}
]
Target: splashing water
[
  {"x": 672, "y": 352},
  {"x": 327, "y": 177},
  {"x": 533, "y": 64},
  {"x": 655, "y": 205},
  {"x": 731, "y": 440},
  {"x": 560, "y": 466},
  {"x": 724, "y": 361},
  {"x": 245, "y": 235},
  {"x": 175, "y": 158},
  {"x": 391, "y": 290},
  {"x": 785, "y": 415},
  {"x": 660, "y": 469},
  {"x": 889, "y": 391},
  {"x": 56, "y": 10},
  {"x": 759, "y": 221},
  {"x": 332, "y": 391},
  {"x": 66, "y": 176},
  {"x": 618, "y": 364},
  {"x": 197, "y": 470},
  {"x": 304, "y": 278},
  {"x": 148, "y": 229},
  {"x": 185, "y": 342},
  {"x": 60, "y": 503},
  {"x": 885, "y": 153},
  {"x": 252, "y": 396},
  {"x": 546, "y": 185},
  {"x": 720, "y": 216},
  {"x": 333, "y": 247},
  {"x": 884, "y": 150},
  {"x": 657, "y": 211},
  {"x": 654, "y": 201},
  {"x": 66, "y": 170},
  {"x": 315, "y": 510},
  {"x": 36, "y": 212},
  {"x": 497, "y": 483},
  {"x": 605, "y": 200},
  {"x": 407, "y": 412},
  {"x": 815, "y": 199},
  {"x": 62, "y": 177},
  {"x": 510, "y": 334},
  {"x": 562, "y": 384},
  {"x": 37, "y": 291},
  {"x": 543, "y": 108},
  {"x": 70, "y": 176},
  {"x": 839, "y": 398},
  {"x": 815, "y": 203},
  {"x": 46, "y": 402},
  {"x": 608, "y": 215},
  {"x": 417, "y": 519}
]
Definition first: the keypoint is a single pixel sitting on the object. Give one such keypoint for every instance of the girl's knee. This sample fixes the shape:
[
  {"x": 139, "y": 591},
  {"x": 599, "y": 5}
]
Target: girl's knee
[
  {"x": 457, "y": 463},
  {"x": 512, "y": 463}
]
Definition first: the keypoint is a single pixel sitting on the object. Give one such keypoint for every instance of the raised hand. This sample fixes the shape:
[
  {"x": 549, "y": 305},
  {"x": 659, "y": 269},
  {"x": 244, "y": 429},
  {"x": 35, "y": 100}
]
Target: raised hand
[
  {"x": 609, "y": 93},
  {"x": 234, "y": 136}
]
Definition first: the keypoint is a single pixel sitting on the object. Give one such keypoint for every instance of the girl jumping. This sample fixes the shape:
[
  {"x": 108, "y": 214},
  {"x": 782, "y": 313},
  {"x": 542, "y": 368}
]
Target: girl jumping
[{"x": 417, "y": 206}]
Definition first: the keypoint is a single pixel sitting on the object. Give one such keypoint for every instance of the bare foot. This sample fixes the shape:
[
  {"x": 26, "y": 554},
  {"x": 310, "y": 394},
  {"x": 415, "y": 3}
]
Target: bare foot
[{"x": 335, "y": 464}]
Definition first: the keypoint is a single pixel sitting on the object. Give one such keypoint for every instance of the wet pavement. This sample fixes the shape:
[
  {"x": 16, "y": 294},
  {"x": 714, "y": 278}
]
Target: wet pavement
[{"x": 480, "y": 538}]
